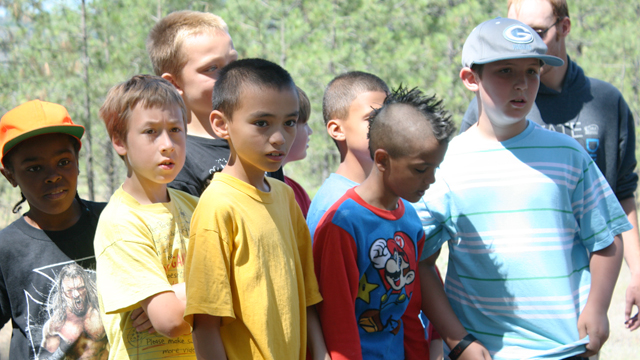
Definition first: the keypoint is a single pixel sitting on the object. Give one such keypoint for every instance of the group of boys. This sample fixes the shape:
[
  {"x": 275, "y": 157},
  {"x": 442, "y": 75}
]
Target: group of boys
[{"x": 234, "y": 274}]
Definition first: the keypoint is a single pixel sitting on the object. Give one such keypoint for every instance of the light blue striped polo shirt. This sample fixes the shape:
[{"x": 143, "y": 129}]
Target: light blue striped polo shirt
[{"x": 520, "y": 218}]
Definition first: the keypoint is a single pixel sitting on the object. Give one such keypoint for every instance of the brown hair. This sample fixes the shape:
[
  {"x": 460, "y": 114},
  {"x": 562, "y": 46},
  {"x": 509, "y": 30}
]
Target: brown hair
[
  {"x": 164, "y": 43},
  {"x": 305, "y": 106},
  {"x": 148, "y": 90},
  {"x": 560, "y": 7},
  {"x": 342, "y": 90}
]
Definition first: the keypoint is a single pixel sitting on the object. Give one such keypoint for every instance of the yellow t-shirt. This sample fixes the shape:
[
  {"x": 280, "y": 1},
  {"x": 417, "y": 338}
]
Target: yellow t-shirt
[
  {"x": 250, "y": 262},
  {"x": 140, "y": 252}
]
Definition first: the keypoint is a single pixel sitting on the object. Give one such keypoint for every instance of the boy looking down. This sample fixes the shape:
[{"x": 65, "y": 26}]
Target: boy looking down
[{"x": 368, "y": 244}]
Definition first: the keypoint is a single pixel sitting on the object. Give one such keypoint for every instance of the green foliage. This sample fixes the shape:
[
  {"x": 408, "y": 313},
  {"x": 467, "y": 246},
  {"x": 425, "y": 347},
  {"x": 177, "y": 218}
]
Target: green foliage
[{"x": 415, "y": 43}]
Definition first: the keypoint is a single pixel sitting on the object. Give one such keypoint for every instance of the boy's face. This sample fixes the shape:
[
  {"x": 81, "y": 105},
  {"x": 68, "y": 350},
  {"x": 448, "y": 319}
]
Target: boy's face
[
  {"x": 206, "y": 54},
  {"x": 263, "y": 127},
  {"x": 356, "y": 126},
  {"x": 45, "y": 167},
  {"x": 298, "y": 150},
  {"x": 410, "y": 176},
  {"x": 508, "y": 90},
  {"x": 155, "y": 144}
]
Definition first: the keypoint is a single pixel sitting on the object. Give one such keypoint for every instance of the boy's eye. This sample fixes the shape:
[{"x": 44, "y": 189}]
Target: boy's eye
[
  {"x": 261, "y": 123},
  {"x": 33, "y": 168},
  {"x": 64, "y": 162},
  {"x": 505, "y": 70},
  {"x": 212, "y": 68},
  {"x": 148, "y": 131},
  {"x": 176, "y": 129},
  {"x": 421, "y": 171},
  {"x": 291, "y": 123}
]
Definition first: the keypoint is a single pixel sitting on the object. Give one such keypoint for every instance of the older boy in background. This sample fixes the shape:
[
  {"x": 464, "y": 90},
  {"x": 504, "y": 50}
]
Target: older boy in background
[
  {"x": 532, "y": 225},
  {"x": 142, "y": 236},
  {"x": 188, "y": 48},
  {"x": 367, "y": 246},
  {"x": 347, "y": 103},
  {"x": 250, "y": 281}
]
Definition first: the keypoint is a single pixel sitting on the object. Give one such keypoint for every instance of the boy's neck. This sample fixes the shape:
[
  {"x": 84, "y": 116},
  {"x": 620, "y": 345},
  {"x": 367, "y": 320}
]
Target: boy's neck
[
  {"x": 199, "y": 125},
  {"x": 54, "y": 222},
  {"x": 491, "y": 131},
  {"x": 247, "y": 173},
  {"x": 373, "y": 192},
  {"x": 355, "y": 169},
  {"x": 147, "y": 193}
]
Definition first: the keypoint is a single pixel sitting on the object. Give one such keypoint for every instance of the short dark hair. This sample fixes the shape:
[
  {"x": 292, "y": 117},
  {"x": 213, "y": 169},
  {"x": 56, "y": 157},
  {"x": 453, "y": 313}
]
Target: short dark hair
[
  {"x": 344, "y": 88},
  {"x": 238, "y": 74},
  {"x": 384, "y": 132}
]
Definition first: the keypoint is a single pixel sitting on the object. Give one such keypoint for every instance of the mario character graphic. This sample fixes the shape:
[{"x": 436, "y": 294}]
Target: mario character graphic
[{"x": 395, "y": 261}]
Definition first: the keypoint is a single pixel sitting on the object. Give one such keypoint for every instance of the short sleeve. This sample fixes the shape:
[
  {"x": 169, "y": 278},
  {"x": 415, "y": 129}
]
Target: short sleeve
[
  {"x": 627, "y": 181},
  {"x": 434, "y": 212},
  {"x": 303, "y": 238},
  {"x": 597, "y": 210},
  {"x": 128, "y": 269},
  {"x": 208, "y": 267}
]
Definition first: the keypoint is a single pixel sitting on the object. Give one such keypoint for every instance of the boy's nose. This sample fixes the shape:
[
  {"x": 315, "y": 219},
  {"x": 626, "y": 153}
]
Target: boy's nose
[
  {"x": 53, "y": 176},
  {"x": 277, "y": 138},
  {"x": 521, "y": 82},
  {"x": 166, "y": 143}
]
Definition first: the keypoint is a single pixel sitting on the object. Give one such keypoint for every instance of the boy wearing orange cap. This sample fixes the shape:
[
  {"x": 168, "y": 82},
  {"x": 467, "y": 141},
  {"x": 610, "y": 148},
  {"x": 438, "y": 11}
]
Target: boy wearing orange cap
[{"x": 47, "y": 261}]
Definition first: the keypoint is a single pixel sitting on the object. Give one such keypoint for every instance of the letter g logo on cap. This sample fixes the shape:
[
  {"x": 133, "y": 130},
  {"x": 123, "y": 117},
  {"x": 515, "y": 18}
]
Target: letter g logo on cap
[{"x": 518, "y": 34}]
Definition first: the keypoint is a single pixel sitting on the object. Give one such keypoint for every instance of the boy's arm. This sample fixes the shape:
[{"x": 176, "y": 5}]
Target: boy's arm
[
  {"x": 166, "y": 310},
  {"x": 631, "y": 242},
  {"x": 435, "y": 305},
  {"x": 605, "y": 267},
  {"x": 334, "y": 255},
  {"x": 317, "y": 347},
  {"x": 206, "y": 337}
]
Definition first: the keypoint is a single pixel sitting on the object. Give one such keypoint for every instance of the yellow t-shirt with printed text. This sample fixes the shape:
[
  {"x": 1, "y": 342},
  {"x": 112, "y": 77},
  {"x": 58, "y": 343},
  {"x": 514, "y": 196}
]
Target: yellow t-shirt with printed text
[
  {"x": 140, "y": 252},
  {"x": 250, "y": 262}
]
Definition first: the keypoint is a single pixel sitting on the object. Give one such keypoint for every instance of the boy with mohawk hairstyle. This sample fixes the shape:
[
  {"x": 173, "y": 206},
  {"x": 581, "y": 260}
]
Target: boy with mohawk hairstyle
[
  {"x": 367, "y": 245},
  {"x": 142, "y": 236},
  {"x": 346, "y": 105},
  {"x": 532, "y": 226},
  {"x": 250, "y": 281},
  {"x": 188, "y": 49}
]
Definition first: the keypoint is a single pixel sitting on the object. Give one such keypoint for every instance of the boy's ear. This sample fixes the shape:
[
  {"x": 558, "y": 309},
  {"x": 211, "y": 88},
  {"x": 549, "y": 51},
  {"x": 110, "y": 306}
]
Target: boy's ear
[
  {"x": 469, "y": 78},
  {"x": 334, "y": 128},
  {"x": 9, "y": 176},
  {"x": 219, "y": 124},
  {"x": 119, "y": 146},
  {"x": 172, "y": 79},
  {"x": 381, "y": 160}
]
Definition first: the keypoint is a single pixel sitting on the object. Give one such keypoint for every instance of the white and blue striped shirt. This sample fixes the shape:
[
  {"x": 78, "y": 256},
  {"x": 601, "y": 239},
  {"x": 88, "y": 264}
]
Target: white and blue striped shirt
[{"x": 520, "y": 217}]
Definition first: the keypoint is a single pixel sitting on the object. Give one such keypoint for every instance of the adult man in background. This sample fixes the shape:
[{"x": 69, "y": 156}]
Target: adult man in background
[{"x": 591, "y": 111}]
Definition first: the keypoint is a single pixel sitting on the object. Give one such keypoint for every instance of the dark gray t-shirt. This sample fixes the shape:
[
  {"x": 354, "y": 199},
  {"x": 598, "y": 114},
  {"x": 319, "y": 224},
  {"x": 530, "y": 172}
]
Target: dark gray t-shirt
[
  {"x": 205, "y": 156},
  {"x": 33, "y": 264}
]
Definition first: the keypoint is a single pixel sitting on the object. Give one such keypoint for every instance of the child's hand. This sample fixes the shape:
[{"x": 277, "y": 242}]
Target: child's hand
[
  {"x": 596, "y": 325},
  {"x": 632, "y": 298},
  {"x": 475, "y": 351},
  {"x": 141, "y": 321}
]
